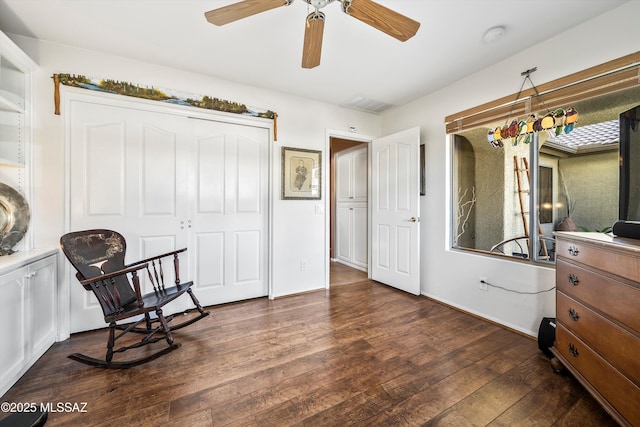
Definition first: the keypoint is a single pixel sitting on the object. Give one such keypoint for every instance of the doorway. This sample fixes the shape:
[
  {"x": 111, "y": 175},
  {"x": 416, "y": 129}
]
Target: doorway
[
  {"x": 348, "y": 218},
  {"x": 393, "y": 213}
]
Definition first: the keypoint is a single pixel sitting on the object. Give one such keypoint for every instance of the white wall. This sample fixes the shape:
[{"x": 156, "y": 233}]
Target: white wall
[
  {"x": 298, "y": 232},
  {"x": 452, "y": 276}
]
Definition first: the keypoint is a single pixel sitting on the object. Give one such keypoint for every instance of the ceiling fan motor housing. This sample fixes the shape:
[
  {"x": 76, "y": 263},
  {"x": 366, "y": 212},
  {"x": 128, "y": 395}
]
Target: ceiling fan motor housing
[{"x": 318, "y": 4}]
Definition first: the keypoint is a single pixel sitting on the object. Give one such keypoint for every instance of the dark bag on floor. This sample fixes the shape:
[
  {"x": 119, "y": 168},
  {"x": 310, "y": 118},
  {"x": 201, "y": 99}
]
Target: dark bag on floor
[{"x": 547, "y": 335}]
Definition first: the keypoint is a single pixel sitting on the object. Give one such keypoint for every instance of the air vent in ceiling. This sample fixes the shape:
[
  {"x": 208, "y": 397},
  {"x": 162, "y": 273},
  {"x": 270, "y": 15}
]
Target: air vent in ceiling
[{"x": 367, "y": 104}]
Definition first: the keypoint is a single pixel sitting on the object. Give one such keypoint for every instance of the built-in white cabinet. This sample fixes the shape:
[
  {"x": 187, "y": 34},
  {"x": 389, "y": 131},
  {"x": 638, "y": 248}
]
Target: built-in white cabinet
[
  {"x": 351, "y": 207},
  {"x": 28, "y": 282}
]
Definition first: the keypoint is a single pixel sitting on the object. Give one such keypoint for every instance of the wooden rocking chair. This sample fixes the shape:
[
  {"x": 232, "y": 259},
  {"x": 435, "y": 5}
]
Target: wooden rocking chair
[{"x": 98, "y": 257}]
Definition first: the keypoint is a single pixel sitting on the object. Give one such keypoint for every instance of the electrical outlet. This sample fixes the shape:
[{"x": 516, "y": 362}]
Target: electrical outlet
[
  {"x": 483, "y": 284},
  {"x": 303, "y": 264}
]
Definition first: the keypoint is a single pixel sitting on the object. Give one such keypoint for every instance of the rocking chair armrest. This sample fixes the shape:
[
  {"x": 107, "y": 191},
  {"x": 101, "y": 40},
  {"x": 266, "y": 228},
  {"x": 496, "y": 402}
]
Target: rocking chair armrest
[
  {"x": 122, "y": 272},
  {"x": 153, "y": 258}
]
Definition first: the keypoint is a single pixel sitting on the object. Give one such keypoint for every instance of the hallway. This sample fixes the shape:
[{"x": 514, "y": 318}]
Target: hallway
[{"x": 340, "y": 274}]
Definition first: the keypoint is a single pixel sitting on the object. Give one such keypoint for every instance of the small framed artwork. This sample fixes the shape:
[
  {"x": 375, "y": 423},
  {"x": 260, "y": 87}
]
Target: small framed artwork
[{"x": 301, "y": 174}]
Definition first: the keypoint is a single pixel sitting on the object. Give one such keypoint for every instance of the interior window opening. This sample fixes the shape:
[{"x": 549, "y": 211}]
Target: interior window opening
[{"x": 550, "y": 181}]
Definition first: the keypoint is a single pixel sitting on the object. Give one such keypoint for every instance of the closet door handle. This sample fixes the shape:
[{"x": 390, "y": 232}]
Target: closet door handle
[{"x": 414, "y": 219}]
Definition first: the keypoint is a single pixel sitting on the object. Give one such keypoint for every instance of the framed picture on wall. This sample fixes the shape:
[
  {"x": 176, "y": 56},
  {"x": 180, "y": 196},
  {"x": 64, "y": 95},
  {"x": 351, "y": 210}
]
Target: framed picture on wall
[{"x": 301, "y": 174}]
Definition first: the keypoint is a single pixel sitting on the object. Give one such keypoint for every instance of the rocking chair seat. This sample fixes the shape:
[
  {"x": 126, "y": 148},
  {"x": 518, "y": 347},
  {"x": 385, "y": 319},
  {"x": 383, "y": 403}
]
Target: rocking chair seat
[
  {"x": 98, "y": 257},
  {"x": 151, "y": 302}
]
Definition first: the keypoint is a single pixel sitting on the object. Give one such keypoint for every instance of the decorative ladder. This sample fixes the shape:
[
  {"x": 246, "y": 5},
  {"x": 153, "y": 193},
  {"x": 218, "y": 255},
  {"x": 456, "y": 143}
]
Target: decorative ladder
[{"x": 520, "y": 168}]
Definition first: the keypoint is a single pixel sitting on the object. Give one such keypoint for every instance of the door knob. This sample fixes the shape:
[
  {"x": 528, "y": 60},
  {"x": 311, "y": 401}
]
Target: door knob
[{"x": 414, "y": 219}]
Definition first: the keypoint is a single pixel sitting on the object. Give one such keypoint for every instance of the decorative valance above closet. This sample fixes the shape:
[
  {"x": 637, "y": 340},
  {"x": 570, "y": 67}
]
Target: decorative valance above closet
[
  {"x": 161, "y": 95},
  {"x": 612, "y": 76}
]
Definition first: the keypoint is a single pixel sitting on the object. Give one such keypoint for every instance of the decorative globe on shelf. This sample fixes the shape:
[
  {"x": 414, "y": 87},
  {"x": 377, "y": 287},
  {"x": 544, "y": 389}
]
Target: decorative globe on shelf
[{"x": 14, "y": 218}]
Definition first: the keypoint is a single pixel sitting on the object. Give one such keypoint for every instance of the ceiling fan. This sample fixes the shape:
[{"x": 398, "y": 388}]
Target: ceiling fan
[{"x": 367, "y": 11}]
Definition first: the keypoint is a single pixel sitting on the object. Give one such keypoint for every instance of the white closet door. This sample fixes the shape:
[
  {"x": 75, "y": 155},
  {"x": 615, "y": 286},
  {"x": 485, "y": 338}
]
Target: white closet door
[
  {"x": 166, "y": 181},
  {"x": 127, "y": 173},
  {"x": 230, "y": 211}
]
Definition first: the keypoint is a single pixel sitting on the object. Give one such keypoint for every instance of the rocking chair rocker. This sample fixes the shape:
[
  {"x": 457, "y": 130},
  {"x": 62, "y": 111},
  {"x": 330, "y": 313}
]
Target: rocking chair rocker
[{"x": 98, "y": 257}]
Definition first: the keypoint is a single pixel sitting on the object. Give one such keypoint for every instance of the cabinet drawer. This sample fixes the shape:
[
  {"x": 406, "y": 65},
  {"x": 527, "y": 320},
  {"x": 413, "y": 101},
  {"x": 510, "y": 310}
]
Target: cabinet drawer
[
  {"x": 600, "y": 257},
  {"x": 616, "y": 299},
  {"x": 616, "y": 345},
  {"x": 621, "y": 394}
]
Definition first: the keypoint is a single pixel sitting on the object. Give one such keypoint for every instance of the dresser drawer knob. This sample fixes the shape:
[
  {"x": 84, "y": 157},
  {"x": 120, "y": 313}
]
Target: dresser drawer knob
[
  {"x": 573, "y": 250},
  {"x": 573, "y": 279},
  {"x": 573, "y": 350},
  {"x": 573, "y": 314}
]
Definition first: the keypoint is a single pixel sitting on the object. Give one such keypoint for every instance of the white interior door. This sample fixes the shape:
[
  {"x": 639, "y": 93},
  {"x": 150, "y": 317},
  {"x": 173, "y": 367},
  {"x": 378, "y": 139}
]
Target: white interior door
[{"x": 395, "y": 210}]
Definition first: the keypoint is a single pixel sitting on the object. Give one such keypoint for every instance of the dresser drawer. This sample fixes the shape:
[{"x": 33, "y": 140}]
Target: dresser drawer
[
  {"x": 615, "y": 299},
  {"x": 601, "y": 257},
  {"x": 616, "y": 345},
  {"x": 620, "y": 393}
]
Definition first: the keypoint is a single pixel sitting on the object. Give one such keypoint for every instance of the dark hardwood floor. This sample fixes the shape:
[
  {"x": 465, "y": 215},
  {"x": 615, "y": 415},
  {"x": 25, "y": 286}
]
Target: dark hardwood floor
[{"x": 360, "y": 354}]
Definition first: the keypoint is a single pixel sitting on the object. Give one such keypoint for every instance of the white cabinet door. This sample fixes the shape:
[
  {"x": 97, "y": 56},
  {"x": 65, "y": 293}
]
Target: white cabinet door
[
  {"x": 28, "y": 312},
  {"x": 351, "y": 234},
  {"x": 360, "y": 236},
  {"x": 351, "y": 175},
  {"x": 344, "y": 233},
  {"x": 13, "y": 316},
  {"x": 42, "y": 279},
  {"x": 344, "y": 172},
  {"x": 360, "y": 174}
]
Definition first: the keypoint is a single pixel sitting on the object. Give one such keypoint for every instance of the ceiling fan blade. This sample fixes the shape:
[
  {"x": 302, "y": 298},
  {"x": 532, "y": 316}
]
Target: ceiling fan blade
[
  {"x": 381, "y": 18},
  {"x": 243, "y": 9},
  {"x": 312, "y": 48}
]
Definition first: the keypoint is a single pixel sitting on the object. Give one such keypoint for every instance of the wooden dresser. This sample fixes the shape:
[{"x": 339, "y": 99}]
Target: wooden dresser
[{"x": 598, "y": 318}]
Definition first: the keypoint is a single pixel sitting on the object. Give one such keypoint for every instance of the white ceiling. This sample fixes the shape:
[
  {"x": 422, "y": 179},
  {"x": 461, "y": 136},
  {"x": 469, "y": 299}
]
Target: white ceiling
[{"x": 265, "y": 50}]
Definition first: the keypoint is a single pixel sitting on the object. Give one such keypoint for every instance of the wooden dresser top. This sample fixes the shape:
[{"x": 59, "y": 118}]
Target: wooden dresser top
[{"x": 606, "y": 241}]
